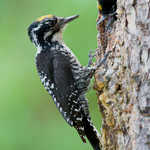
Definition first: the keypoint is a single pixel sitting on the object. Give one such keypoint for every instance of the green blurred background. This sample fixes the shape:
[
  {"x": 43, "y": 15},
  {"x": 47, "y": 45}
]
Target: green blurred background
[{"x": 29, "y": 119}]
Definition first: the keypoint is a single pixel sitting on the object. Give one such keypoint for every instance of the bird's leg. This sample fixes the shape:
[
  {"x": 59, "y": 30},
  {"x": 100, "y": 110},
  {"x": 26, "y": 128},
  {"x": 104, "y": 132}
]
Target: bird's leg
[
  {"x": 91, "y": 56},
  {"x": 87, "y": 73}
]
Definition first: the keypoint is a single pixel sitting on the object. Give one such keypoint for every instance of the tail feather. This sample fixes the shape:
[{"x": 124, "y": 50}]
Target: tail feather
[
  {"x": 81, "y": 133},
  {"x": 91, "y": 133}
]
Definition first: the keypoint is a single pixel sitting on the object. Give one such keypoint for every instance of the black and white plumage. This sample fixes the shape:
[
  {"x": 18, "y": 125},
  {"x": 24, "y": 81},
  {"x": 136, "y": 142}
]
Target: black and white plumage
[
  {"x": 65, "y": 79},
  {"x": 107, "y": 8}
]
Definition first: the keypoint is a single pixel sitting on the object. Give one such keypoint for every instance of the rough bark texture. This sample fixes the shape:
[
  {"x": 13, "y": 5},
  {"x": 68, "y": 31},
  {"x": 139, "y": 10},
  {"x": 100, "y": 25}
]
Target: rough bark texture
[{"x": 123, "y": 85}]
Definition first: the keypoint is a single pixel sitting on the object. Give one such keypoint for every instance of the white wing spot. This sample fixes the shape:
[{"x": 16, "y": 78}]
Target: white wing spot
[
  {"x": 49, "y": 91},
  {"x": 81, "y": 128},
  {"x": 65, "y": 114},
  {"x": 54, "y": 99},
  {"x": 60, "y": 109},
  {"x": 75, "y": 102},
  {"x": 58, "y": 104},
  {"x": 76, "y": 110},
  {"x": 47, "y": 83},
  {"x": 68, "y": 119},
  {"x": 79, "y": 119},
  {"x": 71, "y": 123},
  {"x": 52, "y": 86},
  {"x": 43, "y": 79}
]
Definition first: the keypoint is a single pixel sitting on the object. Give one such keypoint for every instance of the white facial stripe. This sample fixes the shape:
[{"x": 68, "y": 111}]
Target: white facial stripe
[
  {"x": 57, "y": 37},
  {"x": 34, "y": 35},
  {"x": 47, "y": 34}
]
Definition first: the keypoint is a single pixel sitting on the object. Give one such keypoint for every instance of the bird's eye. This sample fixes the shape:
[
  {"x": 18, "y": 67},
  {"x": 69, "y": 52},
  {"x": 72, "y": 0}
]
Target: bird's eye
[
  {"x": 54, "y": 21},
  {"x": 51, "y": 22}
]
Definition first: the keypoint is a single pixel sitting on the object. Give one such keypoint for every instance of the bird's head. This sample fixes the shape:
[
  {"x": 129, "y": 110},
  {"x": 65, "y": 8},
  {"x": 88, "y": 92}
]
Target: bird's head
[{"x": 48, "y": 28}]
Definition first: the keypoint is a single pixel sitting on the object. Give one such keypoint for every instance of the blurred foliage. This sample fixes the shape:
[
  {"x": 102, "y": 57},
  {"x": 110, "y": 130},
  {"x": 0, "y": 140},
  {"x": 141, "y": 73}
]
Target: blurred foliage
[{"x": 27, "y": 120}]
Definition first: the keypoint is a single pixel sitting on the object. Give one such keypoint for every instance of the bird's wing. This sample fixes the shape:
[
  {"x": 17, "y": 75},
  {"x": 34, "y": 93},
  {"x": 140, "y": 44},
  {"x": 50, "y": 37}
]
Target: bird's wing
[{"x": 65, "y": 90}]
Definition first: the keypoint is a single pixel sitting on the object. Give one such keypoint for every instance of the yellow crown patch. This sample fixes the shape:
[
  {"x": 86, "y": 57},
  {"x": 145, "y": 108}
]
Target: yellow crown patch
[
  {"x": 99, "y": 7},
  {"x": 43, "y": 17}
]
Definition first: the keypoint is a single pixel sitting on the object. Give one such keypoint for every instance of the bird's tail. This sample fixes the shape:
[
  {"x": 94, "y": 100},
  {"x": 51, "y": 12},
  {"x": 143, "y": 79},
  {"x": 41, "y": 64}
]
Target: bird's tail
[{"x": 91, "y": 133}]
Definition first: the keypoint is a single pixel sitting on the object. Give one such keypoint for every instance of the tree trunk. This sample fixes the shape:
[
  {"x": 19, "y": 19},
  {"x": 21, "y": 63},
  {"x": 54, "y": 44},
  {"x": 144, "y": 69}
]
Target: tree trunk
[{"x": 123, "y": 84}]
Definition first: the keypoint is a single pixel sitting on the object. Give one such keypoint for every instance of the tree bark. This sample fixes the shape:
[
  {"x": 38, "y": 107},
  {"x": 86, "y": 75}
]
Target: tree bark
[{"x": 123, "y": 84}]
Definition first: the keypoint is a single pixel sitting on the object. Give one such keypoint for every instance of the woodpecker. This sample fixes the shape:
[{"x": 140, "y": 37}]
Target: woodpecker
[
  {"x": 107, "y": 9},
  {"x": 62, "y": 75}
]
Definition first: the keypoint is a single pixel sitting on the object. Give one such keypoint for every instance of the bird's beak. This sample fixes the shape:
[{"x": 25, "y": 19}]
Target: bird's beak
[{"x": 63, "y": 21}]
